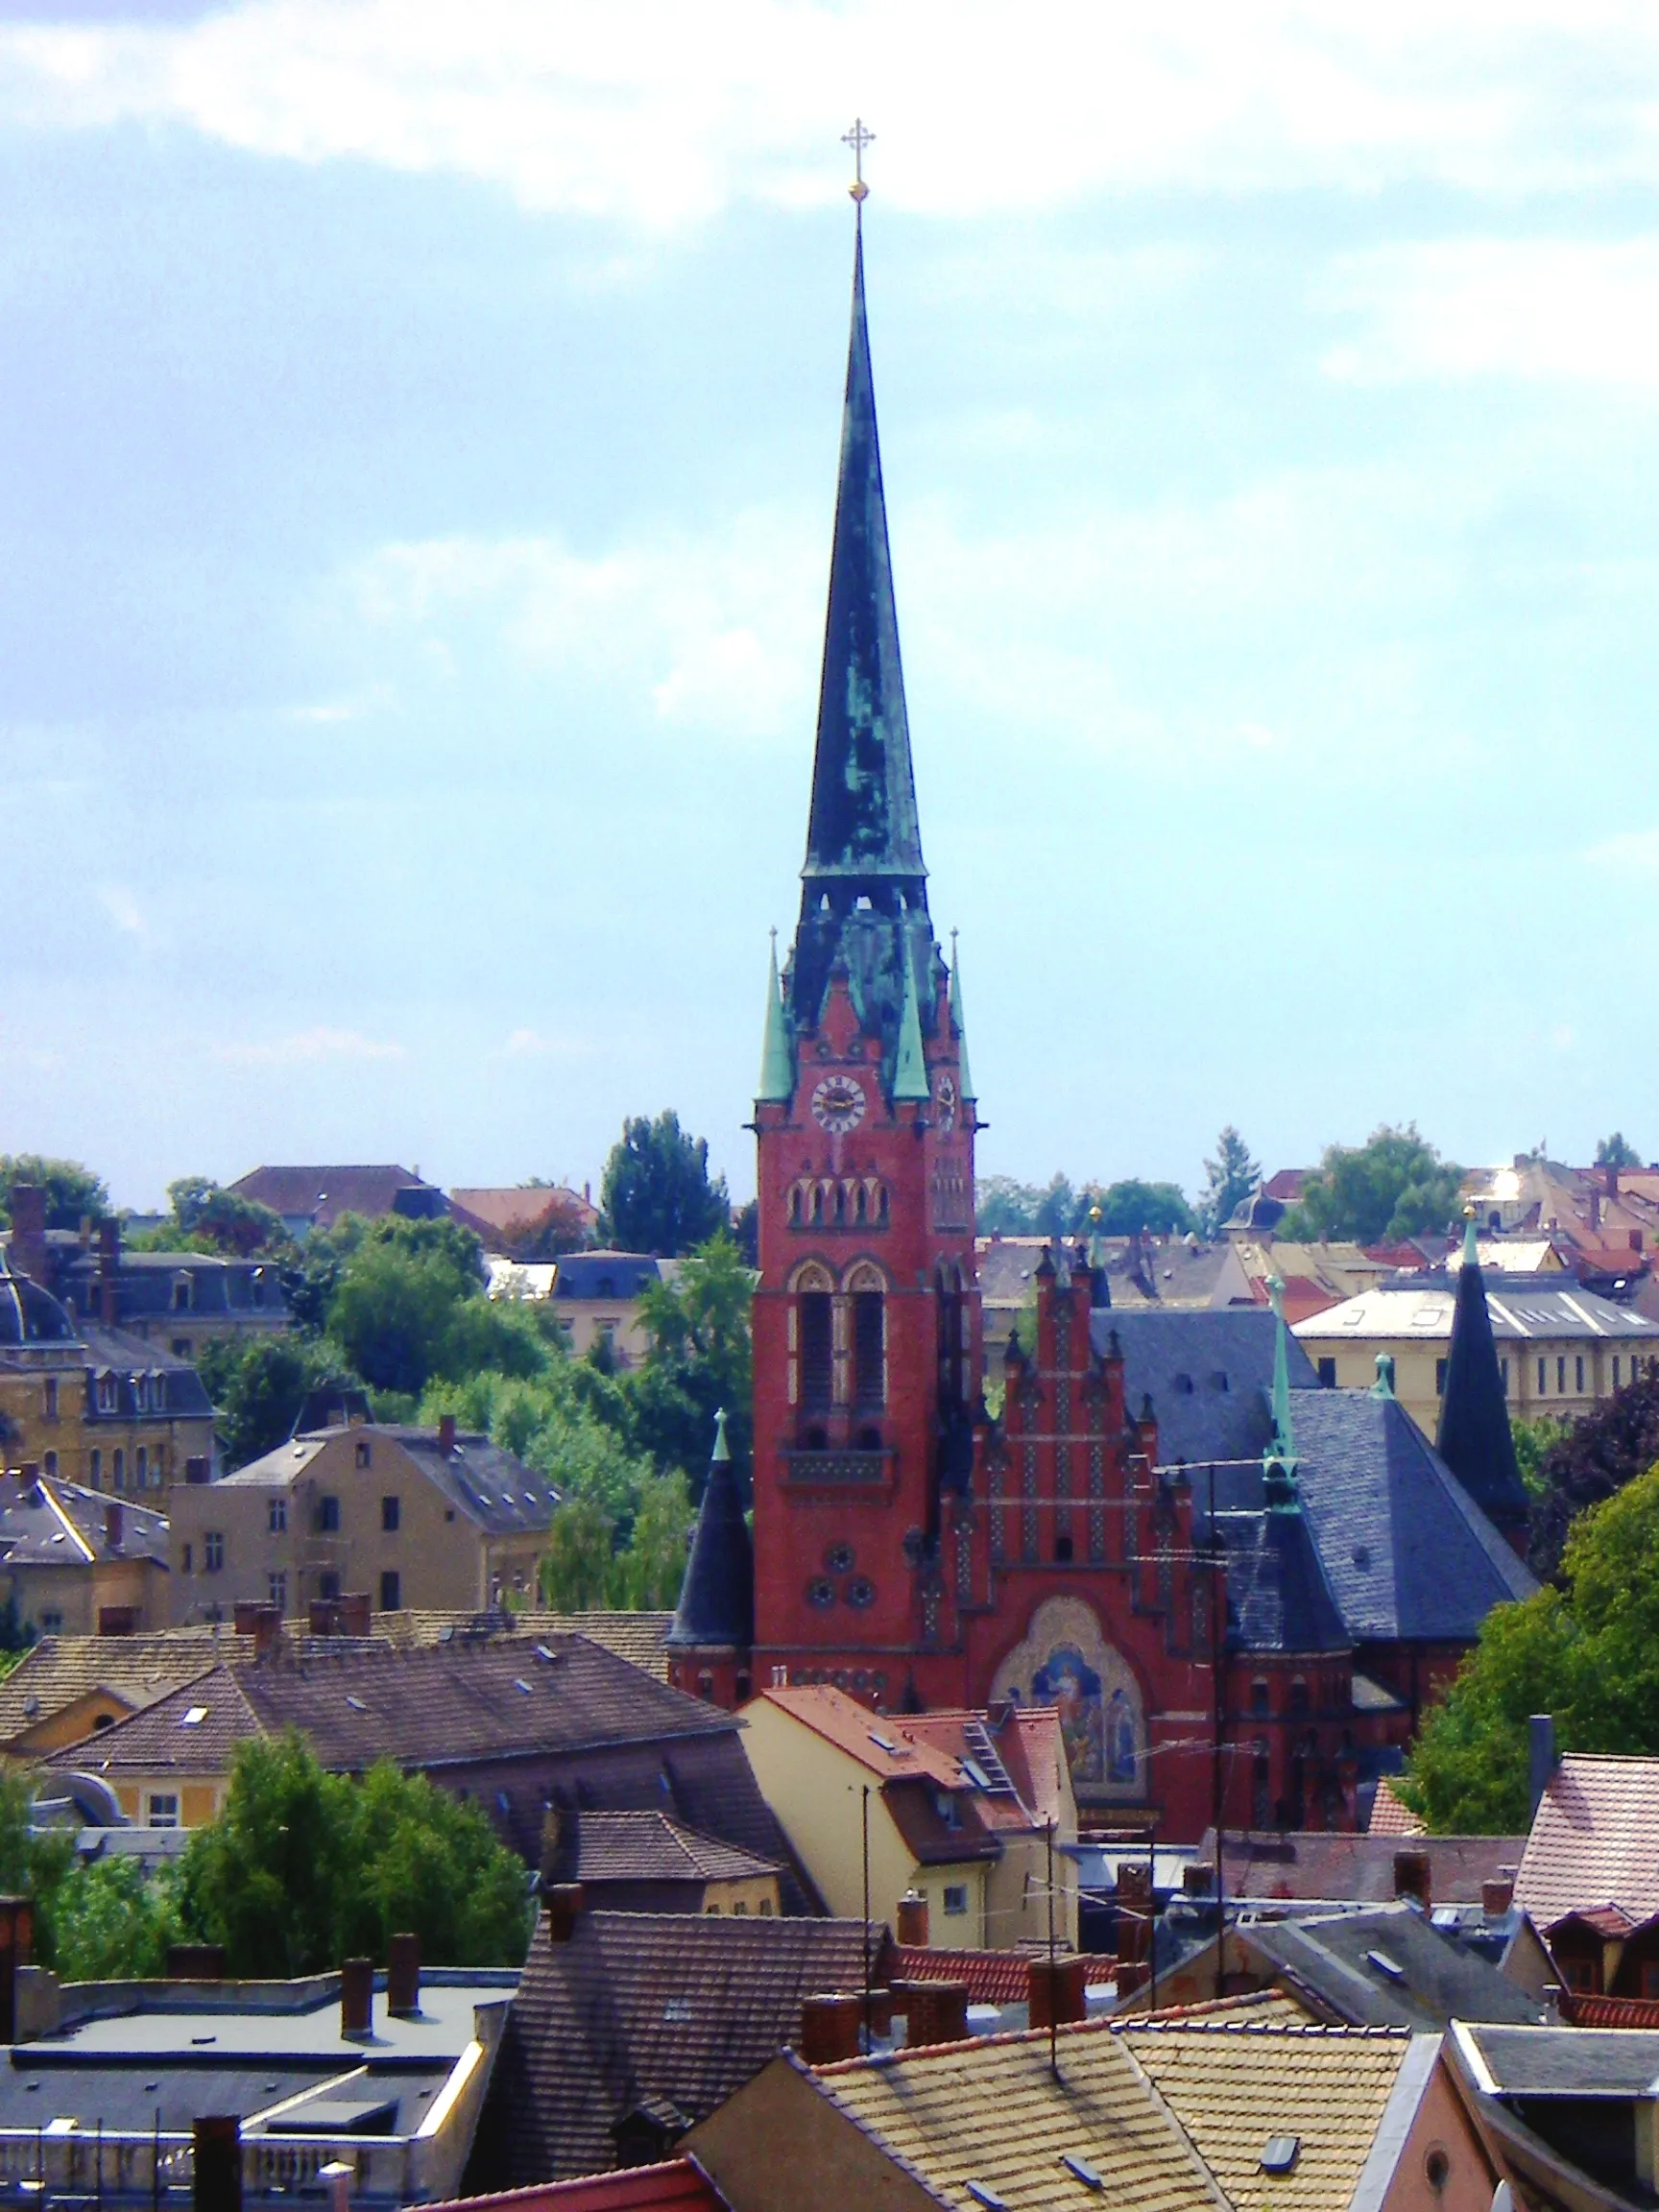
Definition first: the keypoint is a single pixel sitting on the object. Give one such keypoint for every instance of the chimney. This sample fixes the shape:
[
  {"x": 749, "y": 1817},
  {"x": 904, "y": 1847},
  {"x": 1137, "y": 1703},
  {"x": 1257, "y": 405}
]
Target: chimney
[
  {"x": 1543, "y": 1756},
  {"x": 108, "y": 1269},
  {"x": 354, "y": 1613},
  {"x": 1056, "y": 1993},
  {"x": 338, "y": 2175},
  {"x": 196, "y": 1468},
  {"x": 29, "y": 1251},
  {"x": 1595, "y": 1209},
  {"x": 1132, "y": 1974},
  {"x": 114, "y": 1520},
  {"x": 259, "y": 1621},
  {"x": 446, "y": 1433},
  {"x": 1412, "y": 1878},
  {"x": 913, "y": 1920},
  {"x": 934, "y": 2012},
  {"x": 404, "y": 1977},
  {"x": 16, "y": 1933},
  {"x": 563, "y": 1910},
  {"x": 356, "y": 1998},
  {"x": 218, "y": 2164},
  {"x": 830, "y": 2028},
  {"x": 195, "y": 1962},
  {"x": 1497, "y": 1897}
]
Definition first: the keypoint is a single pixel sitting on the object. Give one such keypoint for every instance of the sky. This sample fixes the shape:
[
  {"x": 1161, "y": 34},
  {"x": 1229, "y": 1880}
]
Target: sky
[{"x": 418, "y": 434}]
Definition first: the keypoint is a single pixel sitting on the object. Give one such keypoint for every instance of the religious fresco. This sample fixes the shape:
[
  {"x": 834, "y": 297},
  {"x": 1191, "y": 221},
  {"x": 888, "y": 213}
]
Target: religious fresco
[{"x": 1065, "y": 1661}]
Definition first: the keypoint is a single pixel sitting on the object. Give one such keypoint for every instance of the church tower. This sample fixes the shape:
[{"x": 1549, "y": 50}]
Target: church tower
[{"x": 867, "y": 1319}]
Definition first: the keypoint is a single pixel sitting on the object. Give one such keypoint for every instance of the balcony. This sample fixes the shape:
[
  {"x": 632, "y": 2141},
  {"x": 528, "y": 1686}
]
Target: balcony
[{"x": 835, "y": 1468}]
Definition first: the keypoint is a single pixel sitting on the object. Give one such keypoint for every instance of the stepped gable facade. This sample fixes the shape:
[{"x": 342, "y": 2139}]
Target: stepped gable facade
[{"x": 911, "y": 1546}]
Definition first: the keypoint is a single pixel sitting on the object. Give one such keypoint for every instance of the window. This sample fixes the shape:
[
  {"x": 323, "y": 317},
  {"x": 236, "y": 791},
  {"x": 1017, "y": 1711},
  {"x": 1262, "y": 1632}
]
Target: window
[
  {"x": 765, "y": 1908},
  {"x": 189, "y": 1559},
  {"x": 141, "y": 1467},
  {"x": 327, "y": 1516},
  {"x": 1327, "y": 1374},
  {"x": 277, "y": 1516},
  {"x": 1615, "y": 1370},
  {"x": 51, "y": 1392},
  {"x": 50, "y": 1466},
  {"x": 391, "y": 1515},
  {"x": 95, "y": 1469},
  {"x": 1578, "y": 1374},
  {"x": 107, "y": 1398},
  {"x": 868, "y": 1348},
  {"x": 1062, "y": 1550},
  {"x": 1440, "y": 1378},
  {"x": 365, "y": 1453},
  {"x": 182, "y": 1348},
  {"x": 1561, "y": 1376},
  {"x": 52, "y": 1622},
  {"x": 1504, "y": 1375},
  {"x": 390, "y": 1590},
  {"x": 212, "y": 1549},
  {"x": 120, "y": 1477},
  {"x": 181, "y": 1293},
  {"x": 1298, "y": 1693},
  {"x": 955, "y": 1897},
  {"x": 817, "y": 1351},
  {"x": 1259, "y": 1698},
  {"x": 329, "y": 1584},
  {"x": 1542, "y": 1370},
  {"x": 276, "y": 1591},
  {"x": 161, "y": 1808}
]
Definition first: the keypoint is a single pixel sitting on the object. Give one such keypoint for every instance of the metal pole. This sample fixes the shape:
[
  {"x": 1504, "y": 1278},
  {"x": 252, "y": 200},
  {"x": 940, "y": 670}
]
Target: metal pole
[
  {"x": 1218, "y": 1791},
  {"x": 100, "y": 2170},
  {"x": 865, "y": 1815},
  {"x": 1152, "y": 1916},
  {"x": 1053, "y": 2007},
  {"x": 155, "y": 2164}
]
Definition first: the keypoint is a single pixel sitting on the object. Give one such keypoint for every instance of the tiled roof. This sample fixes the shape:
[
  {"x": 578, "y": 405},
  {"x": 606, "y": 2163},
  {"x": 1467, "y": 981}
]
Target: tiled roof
[
  {"x": 325, "y": 1193},
  {"x": 1335, "y": 1868},
  {"x": 1522, "y": 1308},
  {"x": 1593, "y": 1839},
  {"x": 890, "y": 1748},
  {"x": 1279, "y": 1597},
  {"x": 496, "y": 1491},
  {"x": 55, "y": 1523},
  {"x": 637, "y": 1637},
  {"x": 139, "y": 1669},
  {"x": 1392, "y": 1815},
  {"x": 1609, "y": 1920},
  {"x": 165, "y": 1737},
  {"x": 1581, "y": 2009},
  {"x": 651, "y": 1847},
  {"x": 677, "y": 2186},
  {"x": 992, "y": 1977},
  {"x": 498, "y": 1208},
  {"x": 1208, "y": 1375},
  {"x": 1388, "y": 1969},
  {"x": 673, "y": 2005}
]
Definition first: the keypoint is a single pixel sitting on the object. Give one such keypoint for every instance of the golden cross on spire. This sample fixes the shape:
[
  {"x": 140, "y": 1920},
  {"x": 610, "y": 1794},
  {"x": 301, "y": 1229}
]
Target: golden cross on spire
[{"x": 858, "y": 137}]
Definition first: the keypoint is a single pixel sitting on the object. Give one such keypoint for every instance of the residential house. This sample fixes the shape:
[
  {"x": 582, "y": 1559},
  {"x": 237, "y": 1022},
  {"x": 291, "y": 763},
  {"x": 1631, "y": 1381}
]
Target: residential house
[
  {"x": 1196, "y": 2115},
  {"x": 647, "y": 1861},
  {"x": 637, "y": 1637},
  {"x": 67, "y": 1688},
  {"x": 630, "y": 2027},
  {"x": 428, "y": 1518},
  {"x": 521, "y": 1726},
  {"x": 309, "y": 1199},
  {"x": 107, "y": 2083},
  {"x": 594, "y": 1297},
  {"x": 88, "y": 1404},
  {"x": 1366, "y": 1869},
  {"x": 1567, "y": 2119},
  {"x": 516, "y": 1223},
  {"x": 1589, "y": 1882},
  {"x": 1314, "y": 1277},
  {"x": 1561, "y": 1349},
  {"x": 971, "y": 1811},
  {"x": 73, "y": 1562}
]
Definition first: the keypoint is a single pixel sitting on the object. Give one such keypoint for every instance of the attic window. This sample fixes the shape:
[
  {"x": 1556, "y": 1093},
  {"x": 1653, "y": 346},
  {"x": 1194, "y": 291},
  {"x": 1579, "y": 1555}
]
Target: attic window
[
  {"x": 519, "y": 1683},
  {"x": 194, "y": 1717},
  {"x": 1279, "y": 2153},
  {"x": 882, "y": 1742},
  {"x": 677, "y": 2009},
  {"x": 982, "y": 2193},
  {"x": 1080, "y": 2170},
  {"x": 1386, "y": 1965},
  {"x": 1218, "y": 1381},
  {"x": 1183, "y": 1385},
  {"x": 356, "y": 1703}
]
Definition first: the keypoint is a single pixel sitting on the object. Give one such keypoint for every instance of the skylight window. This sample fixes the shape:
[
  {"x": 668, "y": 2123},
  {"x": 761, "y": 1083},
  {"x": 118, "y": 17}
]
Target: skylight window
[
  {"x": 1080, "y": 2170},
  {"x": 982, "y": 2193},
  {"x": 519, "y": 1683},
  {"x": 1280, "y": 2153},
  {"x": 677, "y": 2009},
  {"x": 356, "y": 1703},
  {"x": 1386, "y": 1965},
  {"x": 194, "y": 1717},
  {"x": 882, "y": 1742}
]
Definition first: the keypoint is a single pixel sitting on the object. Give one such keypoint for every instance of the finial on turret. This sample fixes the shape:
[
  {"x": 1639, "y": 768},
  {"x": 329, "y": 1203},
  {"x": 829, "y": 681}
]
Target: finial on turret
[
  {"x": 1471, "y": 1246},
  {"x": 858, "y": 137},
  {"x": 722, "y": 1449}
]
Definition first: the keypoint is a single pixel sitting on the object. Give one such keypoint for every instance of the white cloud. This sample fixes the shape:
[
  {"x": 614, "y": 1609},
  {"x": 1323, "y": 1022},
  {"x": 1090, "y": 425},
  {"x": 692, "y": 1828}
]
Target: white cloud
[
  {"x": 320, "y": 1044},
  {"x": 658, "y": 114},
  {"x": 1535, "y": 308}
]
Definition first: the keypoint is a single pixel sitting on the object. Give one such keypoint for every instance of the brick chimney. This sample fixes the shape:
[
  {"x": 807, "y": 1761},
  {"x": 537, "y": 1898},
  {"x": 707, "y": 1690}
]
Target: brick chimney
[
  {"x": 356, "y": 1997},
  {"x": 17, "y": 1937},
  {"x": 913, "y": 1920},
  {"x": 934, "y": 2012},
  {"x": 1412, "y": 1877},
  {"x": 563, "y": 1910},
  {"x": 109, "y": 1270},
  {"x": 260, "y": 1622},
  {"x": 29, "y": 1252},
  {"x": 114, "y": 1523},
  {"x": 1497, "y": 1896},
  {"x": 1057, "y": 1991},
  {"x": 404, "y": 1977},
  {"x": 446, "y": 1433},
  {"x": 830, "y": 2028},
  {"x": 218, "y": 2164}
]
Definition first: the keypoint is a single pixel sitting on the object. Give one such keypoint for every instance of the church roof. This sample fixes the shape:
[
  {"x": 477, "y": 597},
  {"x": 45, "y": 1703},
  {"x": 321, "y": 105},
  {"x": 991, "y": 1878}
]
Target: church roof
[
  {"x": 1208, "y": 1374},
  {"x": 1474, "y": 1436},
  {"x": 717, "y": 1596},
  {"x": 1279, "y": 1597}
]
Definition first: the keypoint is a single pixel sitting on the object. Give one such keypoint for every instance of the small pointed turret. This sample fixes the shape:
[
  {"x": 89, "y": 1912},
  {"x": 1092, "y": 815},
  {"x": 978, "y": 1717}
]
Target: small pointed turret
[
  {"x": 1280, "y": 1459},
  {"x": 776, "y": 1061},
  {"x": 910, "y": 1067},
  {"x": 716, "y": 1610},
  {"x": 1474, "y": 1436},
  {"x": 964, "y": 1080}
]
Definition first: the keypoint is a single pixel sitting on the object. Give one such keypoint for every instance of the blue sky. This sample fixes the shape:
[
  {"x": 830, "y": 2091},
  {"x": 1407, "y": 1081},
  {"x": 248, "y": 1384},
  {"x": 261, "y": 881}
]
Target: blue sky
[{"x": 418, "y": 430}]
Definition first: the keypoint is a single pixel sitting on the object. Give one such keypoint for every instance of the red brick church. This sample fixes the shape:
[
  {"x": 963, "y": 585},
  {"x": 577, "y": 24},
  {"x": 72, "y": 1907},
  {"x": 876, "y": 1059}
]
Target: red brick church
[{"x": 1235, "y": 1617}]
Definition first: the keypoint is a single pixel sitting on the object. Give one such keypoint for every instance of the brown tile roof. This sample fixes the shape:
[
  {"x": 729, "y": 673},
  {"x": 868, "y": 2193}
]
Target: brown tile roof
[
  {"x": 1593, "y": 1839},
  {"x": 677, "y": 2186},
  {"x": 992, "y": 1977},
  {"x": 637, "y": 1637},
  {"x": 165, "y": 1736},
  {"x": 500, "y": 1207},
  {"x": 325, "y": 1193},
  {"x": 890, "y": 1748},
  {"x": 1392, "y": 1815},
  {"x": 652, "y": 1848},
  {"x": 139, "y": 1669},
  {"x": 1337, "y": 1868},
  {"x": 672, "y": 2006}
]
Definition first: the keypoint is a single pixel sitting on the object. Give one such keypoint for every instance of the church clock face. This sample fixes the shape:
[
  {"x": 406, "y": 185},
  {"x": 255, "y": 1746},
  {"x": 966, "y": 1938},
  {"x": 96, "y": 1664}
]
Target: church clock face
[
  {"x": 839, "y": 1104},
  {"x": 947, "y": 1103}
]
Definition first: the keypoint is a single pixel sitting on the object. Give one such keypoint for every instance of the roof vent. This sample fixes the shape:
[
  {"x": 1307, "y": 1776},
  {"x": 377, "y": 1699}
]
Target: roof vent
[
  {"x": 356, "y": 1703},
  {"x": 882, "y": 1742},
  {"x": 1385, "y": 1966},
  {"x": 1280, "y": 2153},
  {"x": 519, "y": 1683},
  {"x": 1080, "y": 2170}
]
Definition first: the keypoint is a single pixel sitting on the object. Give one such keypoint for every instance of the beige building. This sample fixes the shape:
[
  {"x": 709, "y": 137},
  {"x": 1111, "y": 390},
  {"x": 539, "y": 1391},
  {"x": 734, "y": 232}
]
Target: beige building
[
  {"x": 423, "y": 1518},
  {"x": 959, "y": 1812},
  {"x": 1560, "y": 1348},
  {"x": 594, "y": 1296},
  {"x": 75, "y": 1564}
]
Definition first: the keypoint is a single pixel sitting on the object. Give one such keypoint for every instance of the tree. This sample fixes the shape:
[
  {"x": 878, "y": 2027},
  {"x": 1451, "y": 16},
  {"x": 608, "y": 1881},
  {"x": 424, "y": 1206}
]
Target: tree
[
  {"x": 72, "y": 1192},
  {"x": 257, "y": 1388},
  {"x": 652, "y": 1567},
  {"x": 1393, "y": 1186},
  {"x": 555, "y": 1221},
  {"x": 1535, "y": 1436},
  {"x": 206, "y": 1217},
  {"x": 1131, "y": 1207},
  {"x": 1588, "y": 1652},
  {"x": 1005, "y": 1207},
  {"x": 1614, "y": 1152},
  {"x": 657, "y": 1194},
  {"x": 1230, "y": 1178},
  {"x": 576, "y": 1571},
  {"x": 700, "y": 1359},
  {"x": 1591, "y": 1459},
  {"x": 394, "y": 1307},
  {"x": 304, "y": 1868},
  {"x": 109, "y": 1921}
]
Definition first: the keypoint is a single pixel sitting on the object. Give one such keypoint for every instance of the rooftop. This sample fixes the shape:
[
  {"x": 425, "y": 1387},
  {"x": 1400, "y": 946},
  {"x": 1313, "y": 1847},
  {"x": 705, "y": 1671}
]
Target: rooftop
[
  {"x": 1593, "y": 1839},
  {"x": 496, "y": 1491},
  {"x": 1334, "y": 1869},
  {"x": 650, "y": 1846},
  {"x": 1522, "y": 1308},
  {"x": 1388, "y": 1969}
]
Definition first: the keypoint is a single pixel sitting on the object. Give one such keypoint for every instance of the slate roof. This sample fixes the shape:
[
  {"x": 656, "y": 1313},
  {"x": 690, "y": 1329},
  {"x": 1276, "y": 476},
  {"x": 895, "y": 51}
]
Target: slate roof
[
  {"x": 716, "y": 1608},
  {"x": 1332, "y": 1867},
  {"x": 1564, "y": 2062},
  {"x": 1278, "y": 1597},
  {"x": 319, "y": 1196},
  {"x": 1595, "y": 1840},
  {"x": 144, "y": 1287},
  {"x": 1522, "y": 1308},
  {"x": 1334, "y": 1958},
  {"x": 677, "y": 2005},
  {"x": 50, "y": 1522},
  {"x": 139, "y": 1669},
  {"x": 1208, "y": 1375},
  {"x": 651, "y": 1847},
  {"x": 29, "y": 1315},
  {"x": 676, "y": 2185},
  {"x": 614, "y": 1275},
  {"x": 121, "y": 1360},
  {"x": 496, "y": 1492},
  {"x": 1408, "y": 1552},
  {"x": 1474, "y": 1436},
  {"x": 637, "y": 1637}
]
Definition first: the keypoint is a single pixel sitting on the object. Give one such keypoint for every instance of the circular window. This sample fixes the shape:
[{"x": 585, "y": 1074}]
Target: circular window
[
  {"x": 839, "y": 1559},
  {"x": 860, "y": 1590},
  {"x": 1436, "y": 2168},
  {"x": 822, "y": 1592}
]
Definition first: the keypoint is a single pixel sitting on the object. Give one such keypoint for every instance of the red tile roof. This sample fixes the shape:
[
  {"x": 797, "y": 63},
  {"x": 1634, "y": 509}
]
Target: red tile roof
[
  {"x": 992, "y": 1977},
  {"x": 1593, "y": 1841},
  {"x": 677, "y": 2185},
  {"x": 1392, "y": 1815},
  {"x": 1584, "y": 2010},
  {"x": 1340, "y": 1869},
  {"x": 1609, "y": 1920}
]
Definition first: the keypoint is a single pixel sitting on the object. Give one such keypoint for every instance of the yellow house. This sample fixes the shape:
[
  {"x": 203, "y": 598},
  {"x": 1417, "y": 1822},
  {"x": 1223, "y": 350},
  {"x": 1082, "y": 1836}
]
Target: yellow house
[
  {"x": 421, "y": 1518},
  {"x": 73, "y": 1563},
  {"x": 1560, "y": 1349},
  {"x": 966, "y": 1812}
]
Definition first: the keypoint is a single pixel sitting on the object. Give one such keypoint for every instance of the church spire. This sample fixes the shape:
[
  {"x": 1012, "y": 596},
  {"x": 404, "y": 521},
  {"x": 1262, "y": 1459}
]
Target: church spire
[
  {"x": 716, "y": 1609},
  {"x": 863, "y": 838},
  {"x": 777, "y": 1063},
  {"x": 964, "y": 1079},
  {"x": 1474, "y": 1437}
]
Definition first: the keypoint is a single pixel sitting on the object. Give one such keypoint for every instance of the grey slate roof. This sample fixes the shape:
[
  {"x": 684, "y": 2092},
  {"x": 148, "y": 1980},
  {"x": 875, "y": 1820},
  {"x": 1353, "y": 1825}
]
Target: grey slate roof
[
  {"x": 1208, "y": 1374},
  {"x": 717, "y": 1596},
  {"x": 1569, "y": 2061},
  {"x": 1278, "y": 1597},
  {"x": 145, "y": 1284},
  {"x": 29, "y": 1315},
  {"x": 605, "y": 1274},
  {"x": 1344, "y": 1960},
  {"x": 492, "y": 1488},
  {"x": 1408, "y": 1552},
  {"x": 122, "y": 1361},
  {"x": 33, "y": 1530}
]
